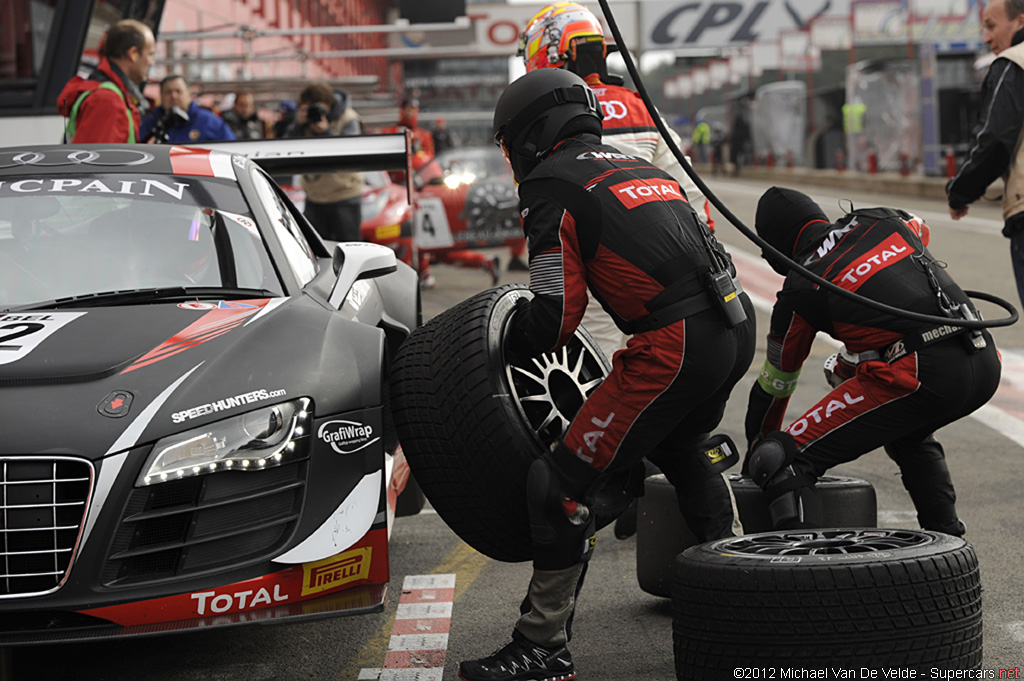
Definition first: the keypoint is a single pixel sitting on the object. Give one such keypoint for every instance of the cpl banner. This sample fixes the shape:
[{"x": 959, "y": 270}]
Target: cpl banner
[{"x": 713, "y": 24}]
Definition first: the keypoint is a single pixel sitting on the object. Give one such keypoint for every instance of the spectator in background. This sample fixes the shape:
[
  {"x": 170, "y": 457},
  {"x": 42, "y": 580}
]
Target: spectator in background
[
  {"x": 422, "y": 140},
  {"x": 202, "y": 125},
  {"x": 108, "y": 105},
  {"x": 423, "y": 152},
  {"x": 285, "y": 117},
  {"x": 442, "y": 137},
  {"x": 739, "y": 145},
  {"x": 996, "y": 146},
  {"x": 701, "y": 139},
  {"x": 718, "y": 139},
  {"x": 333, "y": 200},
  {"x": 242, "y": 118}
]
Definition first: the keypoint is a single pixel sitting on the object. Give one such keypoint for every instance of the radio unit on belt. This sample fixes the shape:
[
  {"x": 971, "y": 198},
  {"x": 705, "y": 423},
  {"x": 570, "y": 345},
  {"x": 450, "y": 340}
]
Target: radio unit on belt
[{"x": 722, "y": 289}]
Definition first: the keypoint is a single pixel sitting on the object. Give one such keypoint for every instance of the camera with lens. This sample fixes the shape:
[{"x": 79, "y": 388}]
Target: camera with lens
[
  {"x": 316, "y": 112},
  {"x": 171, "y": 119}
]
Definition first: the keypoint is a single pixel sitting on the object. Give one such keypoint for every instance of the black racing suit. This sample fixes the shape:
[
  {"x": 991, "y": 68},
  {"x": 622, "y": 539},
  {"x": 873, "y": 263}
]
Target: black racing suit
[
  {"x": 597, "y": 218},
  {"x": 898, "y": 404}
]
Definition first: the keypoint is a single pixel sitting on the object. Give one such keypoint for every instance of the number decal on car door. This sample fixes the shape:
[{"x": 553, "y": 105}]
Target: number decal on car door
[{"x": 431, "y": 224}]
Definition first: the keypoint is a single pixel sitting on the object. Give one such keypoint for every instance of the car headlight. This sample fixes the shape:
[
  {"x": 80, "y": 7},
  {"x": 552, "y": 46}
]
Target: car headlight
[
  {"x": 253, "y": 441},
  {"x": 455, "y": 179}
]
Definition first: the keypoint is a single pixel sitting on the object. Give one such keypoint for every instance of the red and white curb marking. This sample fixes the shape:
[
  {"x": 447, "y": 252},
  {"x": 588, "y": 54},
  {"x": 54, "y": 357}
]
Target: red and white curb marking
[{"x": 419, "y": 639}]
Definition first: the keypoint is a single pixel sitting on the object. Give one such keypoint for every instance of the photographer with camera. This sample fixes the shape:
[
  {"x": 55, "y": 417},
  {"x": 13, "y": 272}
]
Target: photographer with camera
[
  {"x": 333, "y": 200},
  {"x": 180, "y": 120}
]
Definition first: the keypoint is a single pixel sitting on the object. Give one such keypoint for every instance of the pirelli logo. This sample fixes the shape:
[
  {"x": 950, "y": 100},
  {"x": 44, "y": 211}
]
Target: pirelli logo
[{"x": 330, "y": 573}]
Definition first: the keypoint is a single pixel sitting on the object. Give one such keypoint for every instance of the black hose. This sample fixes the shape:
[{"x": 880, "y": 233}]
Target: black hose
[{"x": 765, "y": 246}]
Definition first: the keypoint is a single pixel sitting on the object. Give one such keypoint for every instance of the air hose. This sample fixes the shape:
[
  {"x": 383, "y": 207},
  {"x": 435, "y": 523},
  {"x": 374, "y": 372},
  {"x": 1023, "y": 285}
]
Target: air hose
[{"x": 771, "y": 250}]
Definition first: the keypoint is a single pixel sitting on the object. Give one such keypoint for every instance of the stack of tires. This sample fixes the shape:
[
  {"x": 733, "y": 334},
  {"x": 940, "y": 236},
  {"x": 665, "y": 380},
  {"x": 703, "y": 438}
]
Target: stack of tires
[
  {"x": 827, "y": 599},
  {"x": 661, "y": 533}
]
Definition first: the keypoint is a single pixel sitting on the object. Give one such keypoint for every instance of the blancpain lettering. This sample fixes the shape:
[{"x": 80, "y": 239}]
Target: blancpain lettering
[
  {"x": 347, "y": 437},
  {"x": 226, "y": 403},
  {"x": 63, "y": 186}
]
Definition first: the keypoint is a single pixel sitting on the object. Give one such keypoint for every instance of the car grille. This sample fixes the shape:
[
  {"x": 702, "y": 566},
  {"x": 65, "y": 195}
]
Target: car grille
[
  {"x": 44, "y": 505},
  {"x": 184, "y": 527}
]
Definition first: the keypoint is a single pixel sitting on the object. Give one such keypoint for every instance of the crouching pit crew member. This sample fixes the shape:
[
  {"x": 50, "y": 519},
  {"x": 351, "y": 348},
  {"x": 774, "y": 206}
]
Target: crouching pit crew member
[
  {"x": 896, "y": 381},
  {"x": 597, "y": 218}
]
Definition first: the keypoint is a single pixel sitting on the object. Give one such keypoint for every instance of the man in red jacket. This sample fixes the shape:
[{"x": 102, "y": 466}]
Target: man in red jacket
[{"x": 108, "y": 105}]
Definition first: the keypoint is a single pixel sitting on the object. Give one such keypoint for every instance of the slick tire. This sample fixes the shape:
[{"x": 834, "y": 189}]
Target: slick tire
[
  {"x": 470, "y": 423},
  {"x": 662, "y": 534},
  {"x": 834, "y": 598}
]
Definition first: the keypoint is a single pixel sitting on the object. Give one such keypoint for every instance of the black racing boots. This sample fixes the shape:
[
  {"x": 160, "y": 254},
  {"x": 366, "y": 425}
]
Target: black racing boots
[{"x": 520, "y": 660}]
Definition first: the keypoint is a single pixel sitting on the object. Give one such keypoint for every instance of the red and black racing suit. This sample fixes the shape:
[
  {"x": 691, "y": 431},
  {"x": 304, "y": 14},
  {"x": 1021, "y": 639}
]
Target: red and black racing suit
[
  {"x": 878, "y": 253},
  {"x": 599, "y": 218}
]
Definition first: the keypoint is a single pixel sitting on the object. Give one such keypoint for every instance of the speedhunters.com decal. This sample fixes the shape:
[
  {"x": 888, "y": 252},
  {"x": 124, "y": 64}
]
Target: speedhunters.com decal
[
  {"x": 22, "y": 332},
  {"x": 226, "y": 403}
]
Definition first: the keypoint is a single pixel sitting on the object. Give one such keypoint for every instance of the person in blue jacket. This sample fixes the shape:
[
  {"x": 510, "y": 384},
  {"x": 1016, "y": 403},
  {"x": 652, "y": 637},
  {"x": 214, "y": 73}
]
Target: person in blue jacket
[{"x": 166, "y": 123}]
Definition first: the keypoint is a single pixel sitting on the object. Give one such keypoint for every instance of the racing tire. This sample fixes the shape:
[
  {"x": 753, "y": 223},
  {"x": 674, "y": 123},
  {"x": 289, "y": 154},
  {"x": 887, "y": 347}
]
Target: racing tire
[
  {"x": 833, "y": 598},
  {"x": 471, "y": 423},
  {"x": 662, "y": 534}
]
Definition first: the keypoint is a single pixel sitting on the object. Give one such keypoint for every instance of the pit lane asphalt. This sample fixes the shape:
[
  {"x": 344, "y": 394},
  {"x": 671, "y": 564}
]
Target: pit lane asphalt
[{"x": 621, "y": 632}]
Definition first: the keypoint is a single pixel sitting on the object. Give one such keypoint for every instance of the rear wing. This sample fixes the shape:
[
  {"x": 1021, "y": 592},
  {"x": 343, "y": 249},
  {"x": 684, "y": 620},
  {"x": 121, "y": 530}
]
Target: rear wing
[{"x": 311, "y": 155}]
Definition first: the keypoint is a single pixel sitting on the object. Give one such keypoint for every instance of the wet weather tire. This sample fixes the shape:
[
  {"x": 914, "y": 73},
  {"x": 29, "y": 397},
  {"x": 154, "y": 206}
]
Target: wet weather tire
[
  {"x": 662, "y": 534},
  {"x": 470, "y": 424},
  {"x": 816, "y": 599}
]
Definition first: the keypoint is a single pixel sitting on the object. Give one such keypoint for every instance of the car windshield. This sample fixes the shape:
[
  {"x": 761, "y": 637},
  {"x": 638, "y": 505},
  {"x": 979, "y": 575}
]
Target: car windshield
[{"x": 77, "y": 235}]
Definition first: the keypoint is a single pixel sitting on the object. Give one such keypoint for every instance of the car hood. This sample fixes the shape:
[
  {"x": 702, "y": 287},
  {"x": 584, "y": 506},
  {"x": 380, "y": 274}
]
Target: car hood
[{"x": 94, "y": 381}]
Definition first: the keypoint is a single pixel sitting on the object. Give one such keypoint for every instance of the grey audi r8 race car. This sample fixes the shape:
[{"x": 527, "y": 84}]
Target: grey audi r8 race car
[{"x": 195, "y": 427}]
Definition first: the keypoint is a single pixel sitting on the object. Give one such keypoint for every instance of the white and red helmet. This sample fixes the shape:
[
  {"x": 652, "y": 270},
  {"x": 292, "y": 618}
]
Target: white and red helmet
[{"x": 553, "y": 34}]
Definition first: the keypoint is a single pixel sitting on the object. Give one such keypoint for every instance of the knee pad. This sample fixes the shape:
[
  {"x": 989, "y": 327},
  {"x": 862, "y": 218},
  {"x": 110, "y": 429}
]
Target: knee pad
[
  {"x": 792, "y": 500},
  {"x": 562, "y": 534},
  {"x": 770, "y": 456},
  {"x": 707, "y": 459}
]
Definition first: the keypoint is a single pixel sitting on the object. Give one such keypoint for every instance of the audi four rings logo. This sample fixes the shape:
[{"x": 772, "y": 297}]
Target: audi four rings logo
[
  {"x": 94, "y": 157},
  {"x": 614, "y": 109}
]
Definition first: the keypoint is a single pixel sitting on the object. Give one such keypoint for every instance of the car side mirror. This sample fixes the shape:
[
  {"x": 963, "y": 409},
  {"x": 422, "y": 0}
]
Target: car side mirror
[{"x": 355, "y": 260}]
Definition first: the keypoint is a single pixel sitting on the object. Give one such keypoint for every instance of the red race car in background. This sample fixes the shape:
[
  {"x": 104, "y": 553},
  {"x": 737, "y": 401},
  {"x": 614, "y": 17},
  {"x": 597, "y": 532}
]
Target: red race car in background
[{"x": 465, "y": 199}]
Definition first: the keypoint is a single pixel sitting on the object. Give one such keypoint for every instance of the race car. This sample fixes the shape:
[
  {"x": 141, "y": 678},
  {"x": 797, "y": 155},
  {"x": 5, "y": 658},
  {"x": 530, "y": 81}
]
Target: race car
[
  {"x": 195, "y": 414},
  {"x": 467, "y": 199}
]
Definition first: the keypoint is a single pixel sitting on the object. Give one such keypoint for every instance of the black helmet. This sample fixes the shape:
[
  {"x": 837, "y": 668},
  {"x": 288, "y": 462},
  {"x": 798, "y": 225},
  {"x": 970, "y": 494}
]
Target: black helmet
[
  {"x": 781, "y": 216},
  {"x": 539, "y": 110}
]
